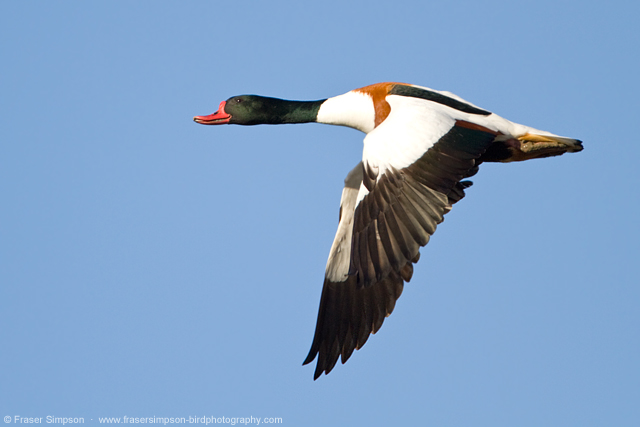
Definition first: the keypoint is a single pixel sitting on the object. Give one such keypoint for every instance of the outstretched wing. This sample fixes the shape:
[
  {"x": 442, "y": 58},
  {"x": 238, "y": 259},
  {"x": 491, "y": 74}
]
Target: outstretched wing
[
  {"x": 402, "y": 207},
  {"x": 391, "y": 205},
  {"x": 348, "y": 313}
]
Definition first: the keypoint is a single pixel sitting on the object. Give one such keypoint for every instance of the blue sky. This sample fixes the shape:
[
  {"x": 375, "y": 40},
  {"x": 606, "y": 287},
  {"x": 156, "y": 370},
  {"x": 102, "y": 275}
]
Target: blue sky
[{"x": 150, "y": 266}]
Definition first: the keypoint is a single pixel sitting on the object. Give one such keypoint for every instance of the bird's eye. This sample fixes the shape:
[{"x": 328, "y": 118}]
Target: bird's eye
[{"x": 238, "y": 100}]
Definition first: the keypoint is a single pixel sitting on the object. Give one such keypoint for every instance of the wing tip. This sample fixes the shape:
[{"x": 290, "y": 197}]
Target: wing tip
[{"x": 310, "y": 357}]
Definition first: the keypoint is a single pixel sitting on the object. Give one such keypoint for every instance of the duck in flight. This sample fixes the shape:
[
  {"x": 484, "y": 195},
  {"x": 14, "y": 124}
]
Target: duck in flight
[{"x": 420, "y": 147}]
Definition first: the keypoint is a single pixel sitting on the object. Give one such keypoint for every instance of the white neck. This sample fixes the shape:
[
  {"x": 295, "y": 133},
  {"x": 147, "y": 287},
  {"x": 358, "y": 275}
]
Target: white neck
[{"x": 353, "y": 109}]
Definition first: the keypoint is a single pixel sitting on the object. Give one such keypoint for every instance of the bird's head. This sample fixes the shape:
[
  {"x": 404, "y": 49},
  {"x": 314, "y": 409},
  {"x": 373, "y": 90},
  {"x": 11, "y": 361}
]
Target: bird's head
[{"x": 246, "y": 110}]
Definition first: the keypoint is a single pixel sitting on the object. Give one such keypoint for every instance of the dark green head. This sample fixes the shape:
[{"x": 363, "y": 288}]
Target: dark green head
[{"x": 258, "y": 110}]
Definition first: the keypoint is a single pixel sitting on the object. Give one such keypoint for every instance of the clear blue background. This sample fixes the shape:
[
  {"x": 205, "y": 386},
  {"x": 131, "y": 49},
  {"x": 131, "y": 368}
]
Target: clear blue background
[{"x": 151, "y": 266}]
